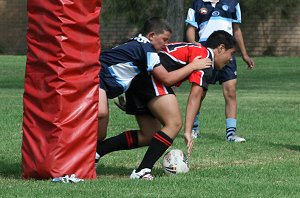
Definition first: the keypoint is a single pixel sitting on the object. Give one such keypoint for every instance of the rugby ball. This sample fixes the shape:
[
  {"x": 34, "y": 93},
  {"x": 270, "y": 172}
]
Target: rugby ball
[{"x": 175, "y": 161}]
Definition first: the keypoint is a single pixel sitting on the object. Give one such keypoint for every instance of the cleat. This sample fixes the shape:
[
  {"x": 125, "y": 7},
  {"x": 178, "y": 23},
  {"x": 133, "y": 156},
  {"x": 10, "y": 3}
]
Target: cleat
[
  {"x": 144, "y": 174},
  {"x": 195, "y": 133},
  {"x": 235, "y": 138}
]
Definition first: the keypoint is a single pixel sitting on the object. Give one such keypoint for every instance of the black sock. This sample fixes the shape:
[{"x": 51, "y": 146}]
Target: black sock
[
  {"x": 158, "y": 145},
  {"x": 125, "y": 141}
]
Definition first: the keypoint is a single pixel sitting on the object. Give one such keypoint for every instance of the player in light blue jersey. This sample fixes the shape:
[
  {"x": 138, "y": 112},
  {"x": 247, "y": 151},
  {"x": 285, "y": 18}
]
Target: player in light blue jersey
[{"x": 205, "y": 17}]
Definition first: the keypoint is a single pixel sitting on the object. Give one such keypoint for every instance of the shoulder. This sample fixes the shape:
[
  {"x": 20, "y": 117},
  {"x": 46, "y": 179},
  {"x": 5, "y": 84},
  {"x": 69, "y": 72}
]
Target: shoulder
[{"x": 231, "y": 3}]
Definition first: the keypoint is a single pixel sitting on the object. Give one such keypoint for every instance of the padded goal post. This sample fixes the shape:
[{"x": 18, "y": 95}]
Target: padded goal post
[{"x": 61, "y": 89}]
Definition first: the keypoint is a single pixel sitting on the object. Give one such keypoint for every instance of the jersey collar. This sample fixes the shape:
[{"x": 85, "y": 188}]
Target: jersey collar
[
  {"x": 212, "y": 56},
  {"x": 141, "y": 38},
  {"x": 213, "y": 2}
]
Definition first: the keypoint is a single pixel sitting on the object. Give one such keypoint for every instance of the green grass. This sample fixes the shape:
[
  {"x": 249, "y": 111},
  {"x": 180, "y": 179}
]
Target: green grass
[{"x": 267, "y": 165}]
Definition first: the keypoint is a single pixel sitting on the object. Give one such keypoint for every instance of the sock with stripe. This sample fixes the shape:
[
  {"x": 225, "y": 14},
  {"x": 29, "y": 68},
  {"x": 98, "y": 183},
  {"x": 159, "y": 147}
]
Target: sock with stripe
[
  {"x": 159, "y": 144},
  {"x": 230, "y": 127},
  {"x": 196, "y": 122},
  {"x": 124, "y": 141}
]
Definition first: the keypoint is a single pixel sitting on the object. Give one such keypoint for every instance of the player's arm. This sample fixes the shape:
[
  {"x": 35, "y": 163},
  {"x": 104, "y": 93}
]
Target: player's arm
[
  {"x": 192, "y": 108},
  {"x": 171, "y": 78},
  {"x": 238, "y": 35},
  {"x": 191, "y": 34},
  {"x": 191, "y": 24}
]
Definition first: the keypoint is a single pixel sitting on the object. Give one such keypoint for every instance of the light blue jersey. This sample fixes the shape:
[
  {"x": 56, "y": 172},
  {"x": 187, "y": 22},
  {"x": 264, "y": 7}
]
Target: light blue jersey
[{"x": 208, "y": 17}]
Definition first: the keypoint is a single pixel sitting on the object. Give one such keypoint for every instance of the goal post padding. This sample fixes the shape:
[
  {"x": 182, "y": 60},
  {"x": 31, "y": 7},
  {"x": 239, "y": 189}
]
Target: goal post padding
[{"x": 61, "y": 89}]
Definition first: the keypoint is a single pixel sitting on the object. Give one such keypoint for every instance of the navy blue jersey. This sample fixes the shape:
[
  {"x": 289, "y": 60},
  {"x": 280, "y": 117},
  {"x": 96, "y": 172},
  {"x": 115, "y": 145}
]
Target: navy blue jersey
[
  {"x": 207, "y": 17},
  {"x": 122, "y": 63}
]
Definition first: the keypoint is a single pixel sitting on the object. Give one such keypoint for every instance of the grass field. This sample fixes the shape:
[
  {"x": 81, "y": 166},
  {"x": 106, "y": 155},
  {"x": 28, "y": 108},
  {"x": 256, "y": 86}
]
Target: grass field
[{"x": 267, "y": 165}]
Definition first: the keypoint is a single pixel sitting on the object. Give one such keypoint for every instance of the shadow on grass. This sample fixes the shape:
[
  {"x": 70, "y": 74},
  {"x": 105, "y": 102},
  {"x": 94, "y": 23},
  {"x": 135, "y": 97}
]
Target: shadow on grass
[
  {"x": 12, "y": 171},
  {"x": 287, "y": 146},
  {"x": 113, "y": 171},
  {"x": 209, "y": 136},
  {"x": 120, "y": 171}
]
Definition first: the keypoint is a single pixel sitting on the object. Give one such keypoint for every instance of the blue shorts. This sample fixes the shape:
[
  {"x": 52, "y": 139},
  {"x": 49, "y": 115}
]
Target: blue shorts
[{"x": 229, "y": 72}]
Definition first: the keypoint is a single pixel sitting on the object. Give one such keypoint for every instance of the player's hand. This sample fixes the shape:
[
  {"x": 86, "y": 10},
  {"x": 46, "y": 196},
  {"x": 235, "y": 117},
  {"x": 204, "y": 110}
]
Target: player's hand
[
  {"x": 121, "y": 103},
  {"x": 200, "y": 64},
  {"x": 249, "y": 62},
  {"x": 189, "y": 143}
]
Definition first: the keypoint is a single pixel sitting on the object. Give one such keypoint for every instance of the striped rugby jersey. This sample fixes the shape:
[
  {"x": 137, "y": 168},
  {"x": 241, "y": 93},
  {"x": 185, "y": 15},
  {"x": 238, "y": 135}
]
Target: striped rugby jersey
[
  {"x": 208, "y": 18},
  {"x": 177, "y": 55}
]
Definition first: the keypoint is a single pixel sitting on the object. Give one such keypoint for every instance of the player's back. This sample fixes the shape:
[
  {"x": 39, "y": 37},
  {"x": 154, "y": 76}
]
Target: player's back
[{"x": 177, "y": 55}]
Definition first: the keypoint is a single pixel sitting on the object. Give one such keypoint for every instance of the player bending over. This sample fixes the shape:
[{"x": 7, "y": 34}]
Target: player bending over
[
  {"x": 122, "y": 63},
  {"x": 154, "y": 104}
]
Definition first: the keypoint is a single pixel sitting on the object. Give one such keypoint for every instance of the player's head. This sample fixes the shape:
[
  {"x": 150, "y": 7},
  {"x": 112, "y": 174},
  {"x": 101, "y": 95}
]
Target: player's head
[
  {"x": 158, "y": 31},
  {"x": 223, "y": 45}
]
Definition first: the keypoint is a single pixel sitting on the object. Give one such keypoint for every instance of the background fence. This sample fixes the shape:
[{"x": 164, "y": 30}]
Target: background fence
[{"x": 273, "y": 35}]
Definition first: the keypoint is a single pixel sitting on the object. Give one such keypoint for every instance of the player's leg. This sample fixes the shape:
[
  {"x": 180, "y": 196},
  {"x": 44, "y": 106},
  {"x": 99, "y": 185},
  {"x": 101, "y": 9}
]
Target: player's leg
[
  {"x": 133, "y": 138},
  {"x": 196, "y": 128},
  {"x": 130, "y": 139},
  {"x": 148, "y": 127},
  {"x": 103, "y": 115},
  {"x": 229, "y": 92},
  {"x": 227, "y": 77},
  {"x": 166, "y": 109}
]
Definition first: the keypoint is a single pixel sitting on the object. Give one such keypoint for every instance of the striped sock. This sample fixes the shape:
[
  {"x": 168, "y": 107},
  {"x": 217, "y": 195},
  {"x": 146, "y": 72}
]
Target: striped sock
[
  {"x": 158, "y": 145},
  {"x": 124, "y": 141},
  {"x": 230, "y": 127},
  {"x": 196, "y": 122}
]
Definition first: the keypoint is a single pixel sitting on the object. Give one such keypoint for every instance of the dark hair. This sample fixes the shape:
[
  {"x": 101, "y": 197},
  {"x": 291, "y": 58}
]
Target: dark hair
[
  {"x": 220, "y": 37},
  {"x": 157, "y": 25}
]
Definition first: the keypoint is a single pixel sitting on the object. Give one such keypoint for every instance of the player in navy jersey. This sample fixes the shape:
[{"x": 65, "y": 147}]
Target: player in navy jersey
[
  {"x": 122, "y": 63},
  {"x": 205, "y": 17},
  {"x": 155, "y": 105}
]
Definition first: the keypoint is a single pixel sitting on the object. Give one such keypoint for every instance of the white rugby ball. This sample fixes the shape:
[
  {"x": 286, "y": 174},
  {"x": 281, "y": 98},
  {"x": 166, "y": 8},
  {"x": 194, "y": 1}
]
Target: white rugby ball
[{"x": 175, "y": 161}]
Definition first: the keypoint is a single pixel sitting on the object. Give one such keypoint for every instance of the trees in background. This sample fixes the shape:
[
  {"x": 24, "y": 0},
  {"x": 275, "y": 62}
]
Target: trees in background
[{"x": 137, "y": 11}]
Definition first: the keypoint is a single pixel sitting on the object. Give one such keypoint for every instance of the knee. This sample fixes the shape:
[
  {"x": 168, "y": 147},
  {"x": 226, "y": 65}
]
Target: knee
[
  {"x": 172, "y": 127},
  {"x": 230, "y": 94},
  {"x": 177, "y": 125}
]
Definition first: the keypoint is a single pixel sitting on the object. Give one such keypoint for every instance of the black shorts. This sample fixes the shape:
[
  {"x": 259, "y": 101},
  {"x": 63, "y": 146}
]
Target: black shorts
[{"x": 143, "y": 88}]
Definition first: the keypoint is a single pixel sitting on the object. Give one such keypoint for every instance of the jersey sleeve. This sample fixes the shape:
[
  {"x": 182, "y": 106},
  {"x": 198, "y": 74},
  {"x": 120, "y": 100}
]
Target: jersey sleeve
[
  {"x": 151, "y": 56},
  {"x": 191, "y": 15},
  {"x": 199, "y": 78},
  {"x": 237, "y": 15},
  {"x": 153, "y": 60},
  {"x": 190, "y": 18}
]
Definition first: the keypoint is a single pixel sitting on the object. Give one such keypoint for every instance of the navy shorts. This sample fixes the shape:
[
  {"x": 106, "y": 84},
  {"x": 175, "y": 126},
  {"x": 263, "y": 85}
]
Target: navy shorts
[{"x": 229, "y": 72}]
